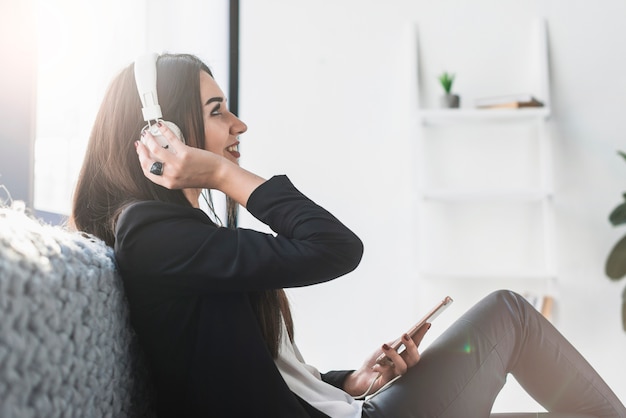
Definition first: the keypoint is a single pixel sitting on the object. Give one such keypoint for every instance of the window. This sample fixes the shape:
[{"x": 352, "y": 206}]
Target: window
[{"x": 82, "y": 45}]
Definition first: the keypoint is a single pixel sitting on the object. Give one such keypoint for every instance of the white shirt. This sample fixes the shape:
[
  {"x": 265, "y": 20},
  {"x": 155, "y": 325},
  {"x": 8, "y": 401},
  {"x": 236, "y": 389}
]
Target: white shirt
[{"x": 306, "y": 382}]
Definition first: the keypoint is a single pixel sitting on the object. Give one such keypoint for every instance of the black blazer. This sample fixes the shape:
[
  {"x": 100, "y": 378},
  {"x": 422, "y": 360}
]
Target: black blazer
[{"x": 187, "y": 282}]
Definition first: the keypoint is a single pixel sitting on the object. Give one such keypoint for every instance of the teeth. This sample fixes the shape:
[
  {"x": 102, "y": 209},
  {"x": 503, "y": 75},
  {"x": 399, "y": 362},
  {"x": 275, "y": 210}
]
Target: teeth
[{"x": 232, "y": 148}]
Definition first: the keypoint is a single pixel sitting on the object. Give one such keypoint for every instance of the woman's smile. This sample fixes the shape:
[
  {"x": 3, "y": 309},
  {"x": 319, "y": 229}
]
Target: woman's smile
[{"x": 234, "y": 150}]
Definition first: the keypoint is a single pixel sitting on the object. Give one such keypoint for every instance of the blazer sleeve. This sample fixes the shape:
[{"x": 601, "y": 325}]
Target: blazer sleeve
[
  {"x": 336, "y": 377},
  {"x": 180, "y": 247}
]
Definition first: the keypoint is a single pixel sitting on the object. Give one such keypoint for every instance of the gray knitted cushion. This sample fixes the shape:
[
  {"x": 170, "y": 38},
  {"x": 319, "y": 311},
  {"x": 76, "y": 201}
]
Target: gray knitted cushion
[{"x": 66, "y": 347}]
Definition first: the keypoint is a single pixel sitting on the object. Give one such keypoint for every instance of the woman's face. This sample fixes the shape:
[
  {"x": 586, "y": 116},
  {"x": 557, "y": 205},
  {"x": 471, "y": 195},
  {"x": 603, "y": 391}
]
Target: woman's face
[{"x": 221, "y": 128}]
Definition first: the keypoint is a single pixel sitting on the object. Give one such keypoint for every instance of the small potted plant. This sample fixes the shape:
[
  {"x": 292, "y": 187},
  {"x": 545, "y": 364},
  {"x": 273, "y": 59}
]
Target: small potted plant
[
  {"x": 448, "y": 100},
  {"x": 615, "y": 267}
]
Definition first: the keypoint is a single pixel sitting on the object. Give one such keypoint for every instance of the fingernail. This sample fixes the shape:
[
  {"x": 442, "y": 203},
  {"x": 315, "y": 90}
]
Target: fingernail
[
  {"x": 405, "y": 337},
  {"x": 159, "y": 124},
  {"x": 386, "y": 347}
]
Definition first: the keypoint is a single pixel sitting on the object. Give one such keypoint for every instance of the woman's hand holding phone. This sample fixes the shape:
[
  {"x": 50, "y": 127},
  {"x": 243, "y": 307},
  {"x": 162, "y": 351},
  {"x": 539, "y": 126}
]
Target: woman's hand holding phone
[
  {"x": 373, "y": 375},
  {"x": 387, "y": 364},
  {"x": 429, "y": 317}
]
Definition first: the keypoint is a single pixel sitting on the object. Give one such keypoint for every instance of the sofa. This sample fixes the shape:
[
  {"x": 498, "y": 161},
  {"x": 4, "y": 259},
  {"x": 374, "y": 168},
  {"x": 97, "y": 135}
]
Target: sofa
[{"x": 66, "y": 346}]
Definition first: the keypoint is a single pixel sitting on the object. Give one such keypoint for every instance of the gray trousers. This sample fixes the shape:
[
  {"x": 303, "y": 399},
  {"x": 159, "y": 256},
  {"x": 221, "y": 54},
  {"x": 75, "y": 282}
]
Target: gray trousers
[{"x": 462, "y": 371}]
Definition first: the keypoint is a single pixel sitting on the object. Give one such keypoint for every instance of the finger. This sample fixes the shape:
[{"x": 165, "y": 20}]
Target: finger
[
  {"x": 147, "y": 160},
  {"x": 154, "y": 148},
  {"x": 410, "y": 355},
  {"x": 419, "y": 335},
  {"x": 166, "y": 135},
  {"x": 381, "y": 358},
  {"x": 397, "y": 362},
  {"x": 172, "y": 138}
]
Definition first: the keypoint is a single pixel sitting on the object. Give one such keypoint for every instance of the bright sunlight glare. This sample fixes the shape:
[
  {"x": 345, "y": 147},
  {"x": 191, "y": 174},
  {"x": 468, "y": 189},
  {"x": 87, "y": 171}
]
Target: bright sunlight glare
[{"x": 81, "y": 45}]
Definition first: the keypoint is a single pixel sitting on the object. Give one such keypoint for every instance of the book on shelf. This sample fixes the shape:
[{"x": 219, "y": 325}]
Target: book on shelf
[
  {"x": 543, "y": 303},
  {"x": 513, "y": 101}
]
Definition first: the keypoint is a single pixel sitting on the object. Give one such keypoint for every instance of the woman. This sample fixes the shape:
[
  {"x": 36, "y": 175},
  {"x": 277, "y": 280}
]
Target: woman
[{"x": 207, "y": 301}]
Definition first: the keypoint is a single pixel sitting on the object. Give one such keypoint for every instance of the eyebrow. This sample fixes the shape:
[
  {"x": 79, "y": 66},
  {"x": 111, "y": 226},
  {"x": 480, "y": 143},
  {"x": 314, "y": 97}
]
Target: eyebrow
[{"x": 214, "y": 99}]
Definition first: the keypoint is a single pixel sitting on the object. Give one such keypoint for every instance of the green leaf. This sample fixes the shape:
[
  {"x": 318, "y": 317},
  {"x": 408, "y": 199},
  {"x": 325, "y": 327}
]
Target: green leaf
[
  {"x": 615, "y": 267},
  {"x": 623, "y": 154},
  {"x": 618, "y": 216},
  {"x": 446, "y": 81}
]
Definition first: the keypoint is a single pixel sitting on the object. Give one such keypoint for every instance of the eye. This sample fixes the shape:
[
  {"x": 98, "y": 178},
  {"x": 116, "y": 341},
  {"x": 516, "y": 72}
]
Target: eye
[{"x": 216, "y": 111}]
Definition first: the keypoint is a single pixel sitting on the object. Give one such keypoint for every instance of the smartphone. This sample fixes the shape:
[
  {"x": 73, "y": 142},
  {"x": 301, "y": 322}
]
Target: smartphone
[{"x": 428, "y": 318}]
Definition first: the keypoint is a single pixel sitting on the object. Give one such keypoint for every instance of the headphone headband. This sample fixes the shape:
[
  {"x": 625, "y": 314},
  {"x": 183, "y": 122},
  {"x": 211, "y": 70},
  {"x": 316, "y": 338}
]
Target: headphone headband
[{"x": 146, "y": 79}]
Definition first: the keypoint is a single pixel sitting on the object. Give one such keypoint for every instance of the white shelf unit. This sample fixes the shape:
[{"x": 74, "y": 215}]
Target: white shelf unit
[
  {"x": 458, "y": 206},
  {"x": 462, "y": 115}
]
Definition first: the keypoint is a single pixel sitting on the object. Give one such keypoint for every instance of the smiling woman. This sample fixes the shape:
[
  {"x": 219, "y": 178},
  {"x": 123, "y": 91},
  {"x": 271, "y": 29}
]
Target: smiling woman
[{"x": 199, "y": 292}]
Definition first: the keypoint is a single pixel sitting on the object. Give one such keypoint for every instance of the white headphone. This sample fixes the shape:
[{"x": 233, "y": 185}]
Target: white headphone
[{"x": 146, "y": 79}]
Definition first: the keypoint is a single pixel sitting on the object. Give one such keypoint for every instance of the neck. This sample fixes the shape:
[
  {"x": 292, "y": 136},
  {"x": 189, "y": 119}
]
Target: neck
[{"x": 192, "y": 195}]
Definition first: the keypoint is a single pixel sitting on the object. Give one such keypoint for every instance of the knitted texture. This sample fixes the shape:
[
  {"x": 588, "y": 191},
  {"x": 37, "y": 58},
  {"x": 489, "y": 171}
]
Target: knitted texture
[{"x": 66, "y": 346}]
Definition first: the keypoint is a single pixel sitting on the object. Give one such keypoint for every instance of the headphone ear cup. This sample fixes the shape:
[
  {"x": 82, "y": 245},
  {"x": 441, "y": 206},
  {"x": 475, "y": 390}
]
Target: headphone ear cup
[
  {"x": 175, "y": 129},
  {"x": 156, "y": 133}
]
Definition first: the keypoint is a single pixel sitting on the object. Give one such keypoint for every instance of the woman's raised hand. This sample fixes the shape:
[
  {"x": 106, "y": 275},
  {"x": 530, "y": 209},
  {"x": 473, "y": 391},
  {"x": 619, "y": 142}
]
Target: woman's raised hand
[{"x": 184, "y": 167}]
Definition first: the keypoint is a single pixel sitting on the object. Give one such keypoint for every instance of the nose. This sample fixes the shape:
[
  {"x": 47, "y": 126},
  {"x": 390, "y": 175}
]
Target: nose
[{"x": 238, "y": 127}]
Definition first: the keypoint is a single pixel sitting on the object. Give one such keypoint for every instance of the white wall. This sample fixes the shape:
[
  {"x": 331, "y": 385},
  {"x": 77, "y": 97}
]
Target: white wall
[{"x": 326, "y": 92}]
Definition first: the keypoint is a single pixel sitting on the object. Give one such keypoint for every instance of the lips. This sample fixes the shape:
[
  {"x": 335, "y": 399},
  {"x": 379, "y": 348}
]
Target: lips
[{"x": 234, "y": 150}]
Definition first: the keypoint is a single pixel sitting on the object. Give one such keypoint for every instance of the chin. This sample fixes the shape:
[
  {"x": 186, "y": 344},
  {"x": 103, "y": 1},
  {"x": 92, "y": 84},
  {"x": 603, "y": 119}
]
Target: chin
[{"x": 233, "y": 159}]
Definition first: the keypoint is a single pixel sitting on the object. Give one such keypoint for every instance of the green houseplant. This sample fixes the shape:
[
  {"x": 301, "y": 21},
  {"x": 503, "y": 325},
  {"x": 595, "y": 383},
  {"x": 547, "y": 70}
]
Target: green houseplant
[
  {"x": 615, "y": 267},
  {"x": 448, "y": 100}
]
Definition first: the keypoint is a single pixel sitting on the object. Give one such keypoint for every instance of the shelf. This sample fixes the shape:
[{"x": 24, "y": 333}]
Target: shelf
[
  {"x": 450, "y": 116},
  {"x": 489, "y": 275},
  {"x": 484, "y": 222},
  {"x": 481, "y": 195}
]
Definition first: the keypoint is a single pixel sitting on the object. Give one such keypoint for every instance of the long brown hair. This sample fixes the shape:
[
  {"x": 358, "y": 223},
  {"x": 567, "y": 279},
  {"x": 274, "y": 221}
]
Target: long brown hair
[{"x": 111, "y": 177}]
